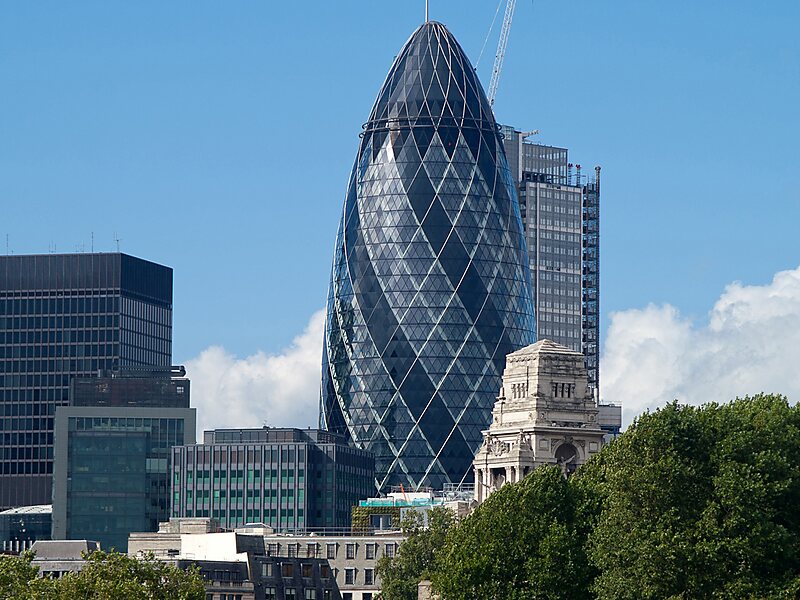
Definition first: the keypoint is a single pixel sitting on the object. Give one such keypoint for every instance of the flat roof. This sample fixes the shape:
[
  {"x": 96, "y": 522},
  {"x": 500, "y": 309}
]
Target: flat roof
[{"x": 38, "y": 509}]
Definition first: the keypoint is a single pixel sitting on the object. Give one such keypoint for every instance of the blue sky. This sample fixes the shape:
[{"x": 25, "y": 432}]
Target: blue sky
[{"x": 217, "y": 138}]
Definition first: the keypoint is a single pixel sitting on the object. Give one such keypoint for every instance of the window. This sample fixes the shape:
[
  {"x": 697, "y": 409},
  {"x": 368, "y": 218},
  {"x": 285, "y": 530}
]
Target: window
[
  {"x": 380, "y": 521},
  {"x": 266, "y": 570},
  {"x": 369, "y": 576},
  {"x": 327, "y": 595},
  {"x": 312, "y": 550},
  {"x": 347, "y": 596},
  {"x": 311, "y": 594},
  {"x": 307, "y": 569},
  {"x": 293, "y": 550},
  {"x": 273, "y": 549},
  {"x": 324, "y": 571},
  {"x": 351, "y": 551},
  {"x": 370, "y": 549},
  {"x": 389, "y": 550},
  {"x": 331, "y": 551},
  {"x": 349, "y": 576},
  {"x": 270, "y": 593},
  {"x": 290, "y": 593},
  {"x": 366, "y": 596},
  {"x": 287, "y": 569}
]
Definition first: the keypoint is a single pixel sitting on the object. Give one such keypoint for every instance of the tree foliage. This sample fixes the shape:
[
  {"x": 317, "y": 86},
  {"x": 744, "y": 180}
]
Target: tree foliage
[
  {"x": 522, "y": 543},
  {"x": 415, "y": 557},
  {"x": 690, "y": 502},
  {"x": 699, "y": 503},
  {"x": 106, "y": 576}
]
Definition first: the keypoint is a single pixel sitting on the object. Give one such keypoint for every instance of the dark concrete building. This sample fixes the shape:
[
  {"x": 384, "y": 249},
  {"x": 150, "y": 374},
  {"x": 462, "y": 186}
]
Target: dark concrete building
[
  {"x": 64, "y": 316},
  {"x": 289, "y": 479},
  {"x": 113, "y": 447}
]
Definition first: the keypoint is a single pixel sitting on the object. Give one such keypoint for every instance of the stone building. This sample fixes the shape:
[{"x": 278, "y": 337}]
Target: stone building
[
  {"x": 545, "y": 414},
  {"x": 279, "y": 566}
]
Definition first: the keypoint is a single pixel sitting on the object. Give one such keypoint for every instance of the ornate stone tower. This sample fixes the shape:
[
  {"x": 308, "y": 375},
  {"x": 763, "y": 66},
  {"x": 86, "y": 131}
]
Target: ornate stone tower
[{"x": 544, "y": 415}]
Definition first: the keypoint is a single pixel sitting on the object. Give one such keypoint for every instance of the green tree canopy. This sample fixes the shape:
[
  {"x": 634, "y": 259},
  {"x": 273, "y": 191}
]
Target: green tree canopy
[
  {"x": 17, "y": 576},
  {"x": 699, "y": 503},
  {"x": 523, "y": 542},
  {"x": 106, "y": 576}
]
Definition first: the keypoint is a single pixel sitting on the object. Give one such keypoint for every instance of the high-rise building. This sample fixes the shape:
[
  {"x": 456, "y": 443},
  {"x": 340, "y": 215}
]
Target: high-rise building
[
  {"x": 113, "y": 448},
  {"x": 560, "y": 209},
  {"x": 430, "y": 287},
  {"x": 64, "y": 316},
  {"x": 289, "y": 479}
]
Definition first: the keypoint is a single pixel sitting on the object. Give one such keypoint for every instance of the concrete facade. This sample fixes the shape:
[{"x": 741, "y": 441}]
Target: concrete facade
[
  {"x": 544, "y": 414},
  {"x": 58, "y": 557},
  {"x": 344, "y": 564}
]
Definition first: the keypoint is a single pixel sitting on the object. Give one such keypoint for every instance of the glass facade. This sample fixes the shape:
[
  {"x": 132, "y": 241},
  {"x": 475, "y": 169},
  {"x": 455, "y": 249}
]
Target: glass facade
[
  {"x": 429, "y": 288},
  {"x": 112, "y": 470},
  {"x": 64, "y": 316},
  {"x": 21, "y": 527},
  {"x": 560, "y": 210},
  {"x": 289, "y": 479}
]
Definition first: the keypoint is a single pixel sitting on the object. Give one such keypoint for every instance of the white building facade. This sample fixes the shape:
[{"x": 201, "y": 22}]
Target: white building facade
[{"x": 545, "y": 414}]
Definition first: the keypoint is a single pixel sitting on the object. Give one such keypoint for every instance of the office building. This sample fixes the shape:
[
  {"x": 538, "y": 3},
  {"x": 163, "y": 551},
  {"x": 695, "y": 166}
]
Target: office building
[
  {"x": 430, "y": 287},
  {"x": 560, "y": 209},
  {"x": 289, "y": 479},
  {"x": 64, "y": 316},
  {"x": 113, "y": 448},
  {"x": 21, "y": 527},
  {"x": 330, "y": 566}
]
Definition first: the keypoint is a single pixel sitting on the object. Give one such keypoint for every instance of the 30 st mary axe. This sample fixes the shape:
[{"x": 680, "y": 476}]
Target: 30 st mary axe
[{"x": 430, "y": 286}]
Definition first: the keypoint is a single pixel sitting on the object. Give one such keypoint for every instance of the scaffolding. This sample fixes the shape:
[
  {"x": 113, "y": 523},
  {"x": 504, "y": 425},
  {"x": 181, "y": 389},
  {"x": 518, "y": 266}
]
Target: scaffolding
[{"x": 590, "y": 301}]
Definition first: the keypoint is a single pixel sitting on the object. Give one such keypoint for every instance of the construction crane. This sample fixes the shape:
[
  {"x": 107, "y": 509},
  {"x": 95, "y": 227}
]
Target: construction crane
[{"x": 501, "y": 50}]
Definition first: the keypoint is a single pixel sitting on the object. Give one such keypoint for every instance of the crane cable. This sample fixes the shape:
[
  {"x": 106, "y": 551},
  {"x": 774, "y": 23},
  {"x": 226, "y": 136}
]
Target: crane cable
[{"x": 489, "y": 33}]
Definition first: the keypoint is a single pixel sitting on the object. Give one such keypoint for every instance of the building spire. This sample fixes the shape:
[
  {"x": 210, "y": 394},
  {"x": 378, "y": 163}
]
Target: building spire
[{"x": 426, "y": 11}]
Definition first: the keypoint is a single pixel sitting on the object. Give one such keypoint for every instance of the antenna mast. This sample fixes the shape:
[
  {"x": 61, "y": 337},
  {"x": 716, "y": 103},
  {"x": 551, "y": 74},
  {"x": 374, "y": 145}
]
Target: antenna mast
[
  {"x": 501, "y": 50},
  {"x": 426, "y": 11}
]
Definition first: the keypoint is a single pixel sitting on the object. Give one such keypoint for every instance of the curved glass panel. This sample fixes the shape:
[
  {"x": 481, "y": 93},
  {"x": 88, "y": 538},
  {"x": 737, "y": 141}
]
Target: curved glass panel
[{"x": 430, "y": 287}]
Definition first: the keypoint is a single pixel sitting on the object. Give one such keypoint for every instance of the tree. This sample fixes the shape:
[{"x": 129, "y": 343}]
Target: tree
[
  {"x": 699, "y": 503},
  {"x": 523, "y": 542},
  {"x": 416, "y": 556},
  {"x": 111, "y": 575},
  {"x": 18, "y": 577},
  {"x": 106, "y": 576}
]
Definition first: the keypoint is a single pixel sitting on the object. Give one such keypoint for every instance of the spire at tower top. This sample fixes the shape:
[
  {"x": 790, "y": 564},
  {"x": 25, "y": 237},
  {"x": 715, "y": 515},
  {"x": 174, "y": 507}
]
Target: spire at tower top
[{"x": 426, "y": 11}]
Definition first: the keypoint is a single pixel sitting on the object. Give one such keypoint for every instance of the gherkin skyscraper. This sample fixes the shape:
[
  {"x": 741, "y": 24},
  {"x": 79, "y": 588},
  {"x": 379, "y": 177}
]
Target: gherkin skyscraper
[{"x": 430, "y": 286}]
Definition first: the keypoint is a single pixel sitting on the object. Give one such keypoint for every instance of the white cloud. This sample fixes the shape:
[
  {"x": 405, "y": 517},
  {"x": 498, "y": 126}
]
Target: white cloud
[
  {"x": 750, "y": 344},
  {"x": 281, "y": 389}
]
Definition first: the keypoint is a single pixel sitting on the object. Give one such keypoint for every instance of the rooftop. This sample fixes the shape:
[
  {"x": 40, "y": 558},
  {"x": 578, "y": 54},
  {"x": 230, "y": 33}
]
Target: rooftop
[
  {"x": 271, "y": 435},
  {"x": 63, "y": 549},
  {"x": 544, "y": 347},
  {"x": 38, "y": 509}
]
